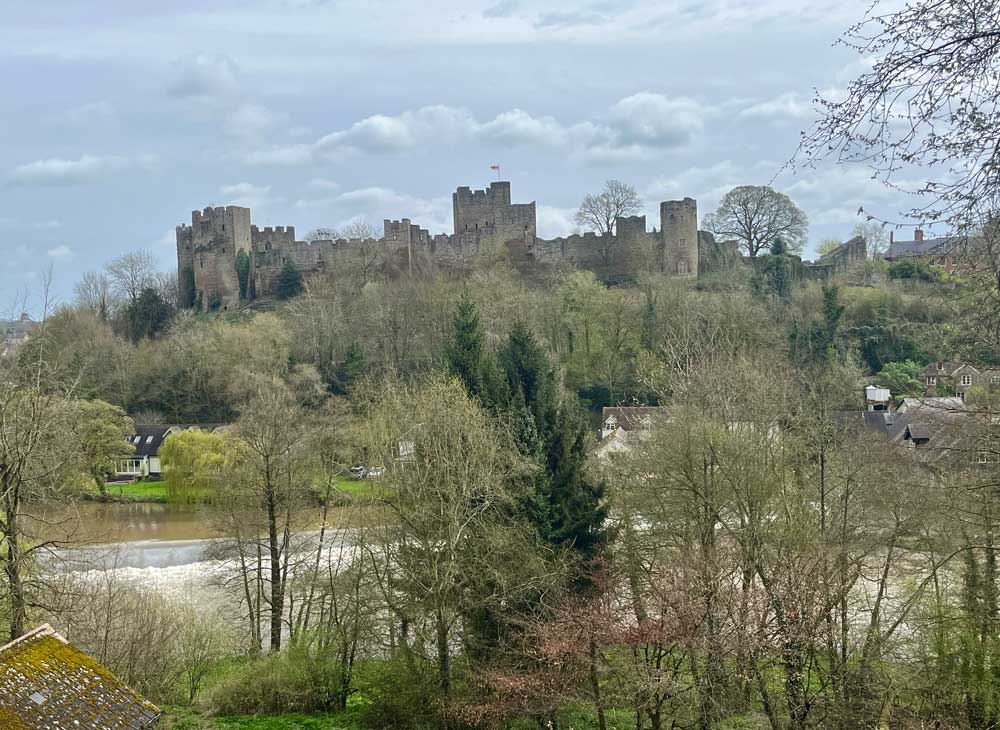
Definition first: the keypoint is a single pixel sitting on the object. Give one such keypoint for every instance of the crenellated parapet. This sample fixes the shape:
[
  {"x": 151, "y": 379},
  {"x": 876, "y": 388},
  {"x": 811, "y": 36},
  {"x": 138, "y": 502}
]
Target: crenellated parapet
[{"x": 486, "y": 223}]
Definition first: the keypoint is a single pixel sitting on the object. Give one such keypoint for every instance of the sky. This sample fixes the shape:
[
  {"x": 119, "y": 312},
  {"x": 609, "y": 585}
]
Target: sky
[{"x": 120, "y": 117}]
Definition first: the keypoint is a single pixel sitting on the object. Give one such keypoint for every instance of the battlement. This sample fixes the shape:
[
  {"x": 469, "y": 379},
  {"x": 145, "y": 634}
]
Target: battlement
[{"x": 497, "y": 193}]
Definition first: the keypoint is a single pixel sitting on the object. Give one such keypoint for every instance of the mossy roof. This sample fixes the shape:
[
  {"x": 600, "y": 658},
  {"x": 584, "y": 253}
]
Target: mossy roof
[{"x": 48, "y": 684}]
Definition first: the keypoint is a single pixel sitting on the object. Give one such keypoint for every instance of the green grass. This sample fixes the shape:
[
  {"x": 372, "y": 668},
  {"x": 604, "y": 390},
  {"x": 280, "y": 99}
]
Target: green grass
[
  {"x": 182, "y": 719},
  {"x": 356, "y": 489},
  {"x": 148, "y": 492}
]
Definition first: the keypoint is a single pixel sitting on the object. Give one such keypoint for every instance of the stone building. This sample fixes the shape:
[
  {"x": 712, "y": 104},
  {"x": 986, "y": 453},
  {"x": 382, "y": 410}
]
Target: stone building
[{"x": 485, "y": 222}]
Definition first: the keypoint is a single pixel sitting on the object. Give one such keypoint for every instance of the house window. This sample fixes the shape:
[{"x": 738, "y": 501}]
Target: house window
[
  {"x": 149, "y": 439},
  {"x": 966, "y": 380},
  {"x": 982, "y": 457},
  {"x": 682, "y": 267},
  {"x": 961, "y": 394},
  {"x": 994, "y": 379},
  {"x": 137, "y": 439},
  {"x": 931, "y": 380}
]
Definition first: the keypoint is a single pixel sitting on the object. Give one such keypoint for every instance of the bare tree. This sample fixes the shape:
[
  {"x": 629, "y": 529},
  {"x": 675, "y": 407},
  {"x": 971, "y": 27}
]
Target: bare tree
[
  {"x": 876, "y": 241},
  {"x": 929, "y": 99},
  {"x": 132, "y": 272},
  {"x": 599, "y": 212},
  {"x": 756, "y": 216},
  {"x": 93, "y": 292},
  {"x": 322, "y": 233}
]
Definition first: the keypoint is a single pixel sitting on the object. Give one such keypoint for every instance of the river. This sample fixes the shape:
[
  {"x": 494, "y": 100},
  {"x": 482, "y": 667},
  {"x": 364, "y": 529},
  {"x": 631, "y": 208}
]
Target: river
[{"x": 161, "y": 546}]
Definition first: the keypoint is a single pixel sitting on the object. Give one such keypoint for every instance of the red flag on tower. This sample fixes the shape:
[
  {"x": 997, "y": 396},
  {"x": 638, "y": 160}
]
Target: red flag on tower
[{"x": 497, "y": 168}]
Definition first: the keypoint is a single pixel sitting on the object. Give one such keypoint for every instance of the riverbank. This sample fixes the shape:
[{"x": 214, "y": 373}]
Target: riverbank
[{"x": 156, "y": 492}]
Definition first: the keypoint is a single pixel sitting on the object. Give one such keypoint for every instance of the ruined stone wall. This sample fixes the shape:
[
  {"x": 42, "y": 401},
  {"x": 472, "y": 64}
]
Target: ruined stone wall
[
  {"x": 306, "y": 256},
  {"x": 209, "y": 246},
  {"x": 679, "y": 227}
]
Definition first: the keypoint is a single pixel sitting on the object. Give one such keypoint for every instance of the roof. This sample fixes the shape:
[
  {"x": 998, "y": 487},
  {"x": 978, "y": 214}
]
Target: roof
[
  {"x": 941, "y": 246},
  {"x": 943, "y": 404},
  {"x": 150, "y": 437},
  {"x": 46, "y": 683},
  {"x": 632, "y": 417}
]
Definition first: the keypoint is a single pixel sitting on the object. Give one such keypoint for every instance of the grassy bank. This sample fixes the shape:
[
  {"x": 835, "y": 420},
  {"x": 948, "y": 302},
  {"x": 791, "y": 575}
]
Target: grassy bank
[
  {"x": 157, "y": 492},
  {"x": 182, "y": 719}
]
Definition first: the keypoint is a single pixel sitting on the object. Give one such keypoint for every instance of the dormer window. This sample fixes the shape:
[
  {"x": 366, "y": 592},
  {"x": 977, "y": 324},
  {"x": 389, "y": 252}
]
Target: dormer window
[{"x": 931, "y": 380}]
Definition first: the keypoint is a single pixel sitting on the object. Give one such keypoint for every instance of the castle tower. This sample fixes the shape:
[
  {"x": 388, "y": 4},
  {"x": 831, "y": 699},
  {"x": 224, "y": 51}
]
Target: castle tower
[
  {"x": 209, "y": 247},
  {"x": 679, "y": 228},
  {"x": 491, "y": 216}
]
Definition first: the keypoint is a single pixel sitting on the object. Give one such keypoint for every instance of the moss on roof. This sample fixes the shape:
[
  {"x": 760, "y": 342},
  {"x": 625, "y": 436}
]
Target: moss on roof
[{"x": 46, "y": 683}]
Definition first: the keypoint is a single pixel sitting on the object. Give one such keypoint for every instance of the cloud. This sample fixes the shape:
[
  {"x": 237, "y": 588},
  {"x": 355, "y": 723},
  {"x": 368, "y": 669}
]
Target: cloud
[
  {"x": 789, "y": 105},
  {"x": 554, "y": 222},
  {"x": 96, "y": 113},
  {"x": 375, "y": 203},
  {"x": 59, "y": 171},
  {"x": 571, "y": 19},
  {"x": 322, "y": 184},
  {"x": 281, "y": 155},
  {"x": 632, "y": 127},
  {"x": 384, "y": 134},
  {"x": 60, "y": 252},
  {"x": 656, "y": 120},
  {"x": 251, "y": 122},
  {"x": 246, "y": 194},
  {"x": 503, "y": 9},
  {"x": 518, "y": 127},
  {"x": 204, "y": 75}
]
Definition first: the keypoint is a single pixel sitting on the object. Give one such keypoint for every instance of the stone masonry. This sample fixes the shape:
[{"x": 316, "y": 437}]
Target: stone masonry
[{"x": 485, "y": 222}]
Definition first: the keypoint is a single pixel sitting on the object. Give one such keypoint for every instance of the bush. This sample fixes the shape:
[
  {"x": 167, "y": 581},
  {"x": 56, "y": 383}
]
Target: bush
[
  {"x": 297, "y": 680},
  {"x": 398, "y": 695}
]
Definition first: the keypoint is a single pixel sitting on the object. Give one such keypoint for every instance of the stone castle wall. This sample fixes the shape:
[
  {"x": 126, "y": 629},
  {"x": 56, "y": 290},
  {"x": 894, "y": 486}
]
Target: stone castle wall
[
  {"x": 486, "y": 223},
  {"x": 209, "y": 247}
]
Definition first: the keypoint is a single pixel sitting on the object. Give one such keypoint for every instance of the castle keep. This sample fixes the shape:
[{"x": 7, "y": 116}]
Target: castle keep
[{"x": 485, "y": 222}]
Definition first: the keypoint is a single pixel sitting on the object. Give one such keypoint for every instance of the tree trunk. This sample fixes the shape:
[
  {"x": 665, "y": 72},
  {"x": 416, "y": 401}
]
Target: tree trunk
[
  {"x": 595, "y": 682},
  {"x": 18, "y": 610},
  {"x": 277, "y": 584},
  {"x": 444, "y": 656}
]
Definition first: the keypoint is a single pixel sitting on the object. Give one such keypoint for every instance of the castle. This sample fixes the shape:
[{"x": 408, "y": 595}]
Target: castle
[{"x": 210, "y": 265}]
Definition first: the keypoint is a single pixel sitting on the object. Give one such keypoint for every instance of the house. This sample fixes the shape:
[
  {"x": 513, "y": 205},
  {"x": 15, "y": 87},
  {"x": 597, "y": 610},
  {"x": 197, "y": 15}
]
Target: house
[
  {"x": 939, "y": 431},
  {"x": 877, "y": 399},
  {"x": 144, "y": 461},
  {"x": 944, "y": 251},
  {"x": 623, "y": 427},
  {"x": 629, "y": 418},
  {"x": 47, "y": 683},
  {"x": 13, "y": 335},
  {"x": 945, "y": 376}
]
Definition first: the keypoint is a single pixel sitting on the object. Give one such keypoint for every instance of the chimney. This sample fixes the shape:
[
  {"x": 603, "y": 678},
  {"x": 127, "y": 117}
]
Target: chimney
[
  {"x": 891, "y": 233},
  {"x": 918, "y": 234}
]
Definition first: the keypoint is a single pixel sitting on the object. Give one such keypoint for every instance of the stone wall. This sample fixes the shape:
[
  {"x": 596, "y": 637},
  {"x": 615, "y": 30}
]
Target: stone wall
[
  {"x": 486, "y": 224},
  {"x": 679, "y": 224},
  {"x": 209, "y": 246}
]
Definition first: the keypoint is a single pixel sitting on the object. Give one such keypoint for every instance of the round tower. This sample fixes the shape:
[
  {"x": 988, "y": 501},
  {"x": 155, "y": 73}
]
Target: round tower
[{"x": 679, "y": 228}]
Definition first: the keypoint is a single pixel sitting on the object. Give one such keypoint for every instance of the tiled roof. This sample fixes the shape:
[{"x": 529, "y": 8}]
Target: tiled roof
[
  {"x": 632, "y": 417},
  {"x": 941, "y": 246},
  {"x": 47, "y": 684}
]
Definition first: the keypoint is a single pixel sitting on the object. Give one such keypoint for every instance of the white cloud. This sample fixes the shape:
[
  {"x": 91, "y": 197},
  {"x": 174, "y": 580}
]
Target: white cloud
[
  {"x": 518, "y": 127},
  {"x": 204, "y": 75},
  {"x": 656, "y": 120},
  {"x": 60, "y": 252},
  {"x": 635, "y": 125},
  {"x": 789, "y": 105},
  {"x": 97, "y": 113},
  {"x": 555, "y": 222},
  {"x": 251, "y": 122},
  {"x": 319, "y": 183},
  {"x": 281, "y": 155},
  {"x": 246, "y": 194},
  {"x": 60, "y": 171}
]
